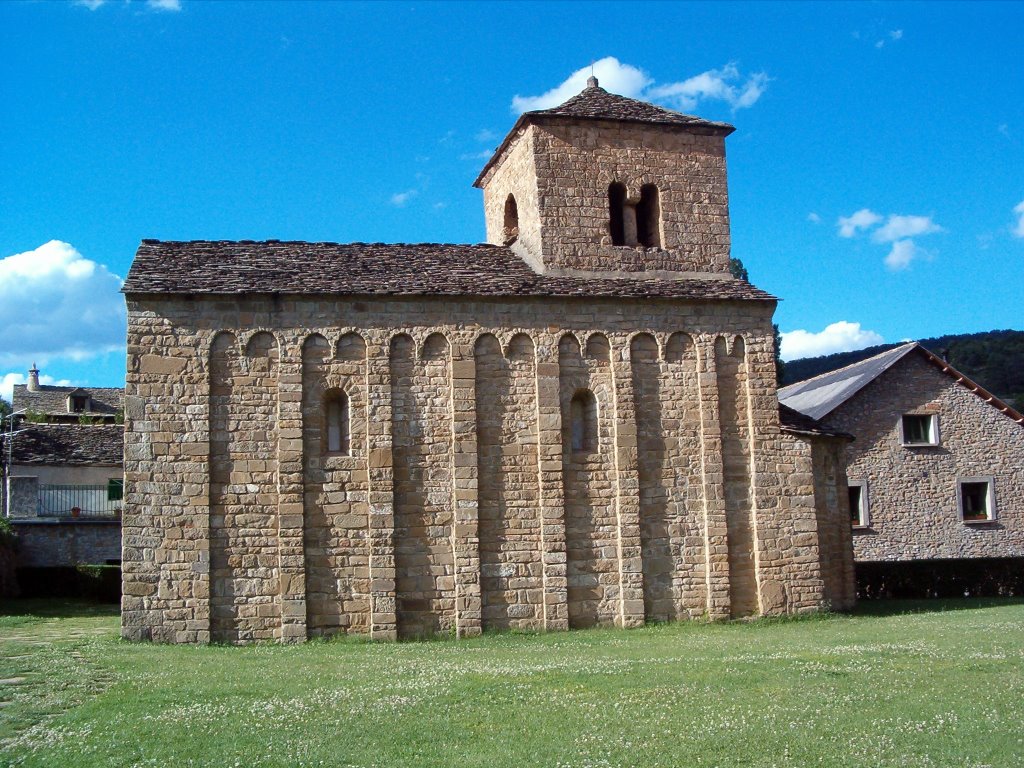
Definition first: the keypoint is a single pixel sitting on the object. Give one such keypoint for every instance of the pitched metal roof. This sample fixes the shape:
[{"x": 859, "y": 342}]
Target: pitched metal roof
[
  {"x": 379, "y": 269},
  {"x": 817, "y": 397},
  {"x": 68, "y": 445},
  {"x": 53, "y": 400},
  {"x": 595, "y": 103}
]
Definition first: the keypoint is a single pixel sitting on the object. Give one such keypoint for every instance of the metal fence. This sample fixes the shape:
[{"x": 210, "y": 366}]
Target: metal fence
[{"x": 85, "y": 501}]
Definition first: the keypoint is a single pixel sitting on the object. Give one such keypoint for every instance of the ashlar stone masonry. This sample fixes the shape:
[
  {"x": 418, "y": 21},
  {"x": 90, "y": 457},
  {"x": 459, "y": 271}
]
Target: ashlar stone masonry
[{"x": 555, "y": 430}]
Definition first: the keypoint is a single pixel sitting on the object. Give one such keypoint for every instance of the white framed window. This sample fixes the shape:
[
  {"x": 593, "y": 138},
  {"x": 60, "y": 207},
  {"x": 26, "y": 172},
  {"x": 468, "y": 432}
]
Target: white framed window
[
  {"x": 859, "y": 516},
  {"x": 976, "y": 499},
  {"x": 919, "y": 429}
]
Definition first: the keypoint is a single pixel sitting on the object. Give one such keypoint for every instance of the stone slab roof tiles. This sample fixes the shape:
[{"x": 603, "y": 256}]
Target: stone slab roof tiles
[
  {"x": 49, "y": 399},
  {"x": 379, "y": 269},
  {"x": 68, "y": 445},
  {"x": 800, "y": 424},
  {"x": 595, "y": 103}
]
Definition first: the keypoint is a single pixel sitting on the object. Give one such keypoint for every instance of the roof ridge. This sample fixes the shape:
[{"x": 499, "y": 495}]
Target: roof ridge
[{"x": 850, "y": 365}]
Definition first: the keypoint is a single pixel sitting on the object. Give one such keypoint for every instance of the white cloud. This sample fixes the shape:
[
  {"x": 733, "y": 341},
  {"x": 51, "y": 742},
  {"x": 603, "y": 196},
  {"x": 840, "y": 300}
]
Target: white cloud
[
  {"x": 903, "y": 252},
  {"x": 401, "y": 198},
  {"x": 725, "y": 84},
  {"x": 1018, "y": 230},
  {"x": 8, "y": 380},
  {"x": 900, "y": 227},
  {"x": 896, "y": 34},
  {"x": 56, "y": 303},
  {"x": 482, "y": 155},
  {"x": 837, "y": 337},
  {"x": 164, "y": 5},
  {"x": 485, "y": 134},
  {"x": 862, "y": 219},
  {"x": 613, "y": 75},
  {"x": 813, "y": 218},
  {"x": 92, "y": 5}
]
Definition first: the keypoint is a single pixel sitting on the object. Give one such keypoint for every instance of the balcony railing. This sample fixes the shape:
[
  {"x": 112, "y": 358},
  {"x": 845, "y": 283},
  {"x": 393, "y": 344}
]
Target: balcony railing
[{"x": 79, "y": 501}]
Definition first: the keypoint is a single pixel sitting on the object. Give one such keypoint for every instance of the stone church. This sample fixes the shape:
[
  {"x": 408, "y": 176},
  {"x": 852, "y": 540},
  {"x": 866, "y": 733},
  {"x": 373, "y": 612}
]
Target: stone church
[{"x": 574, "y": 424}]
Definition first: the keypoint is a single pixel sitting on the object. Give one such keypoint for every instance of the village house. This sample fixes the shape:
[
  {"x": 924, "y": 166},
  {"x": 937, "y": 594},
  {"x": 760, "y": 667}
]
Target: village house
[
  {"x": 574, "y": 424},
  {"x": 61, "y": 455},
  {"x": 936, "y": 473}
]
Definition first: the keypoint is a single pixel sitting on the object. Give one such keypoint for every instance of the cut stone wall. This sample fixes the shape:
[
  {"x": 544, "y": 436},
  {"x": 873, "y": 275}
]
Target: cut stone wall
[
  {"x": 912, "y": 491},
  {"x": 67, "y": 543},
  {"x": 460, "y": 504}
]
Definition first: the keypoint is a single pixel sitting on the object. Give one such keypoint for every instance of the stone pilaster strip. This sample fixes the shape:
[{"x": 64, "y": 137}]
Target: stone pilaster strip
[
  {"x": 552, "y": 492},
  {"x": 465, "y": 531},
  {"x": 631, "y": 576},
  {"x": 383, "y": 617}
]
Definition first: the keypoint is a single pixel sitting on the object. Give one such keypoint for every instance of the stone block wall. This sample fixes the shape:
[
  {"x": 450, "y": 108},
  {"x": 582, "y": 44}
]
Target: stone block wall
[
  {"x": 560, "y": 172},
  {"x": 462, "y": 502},
  {"x": 912, "y": 491},
  {"x": 67, "y": 543}
]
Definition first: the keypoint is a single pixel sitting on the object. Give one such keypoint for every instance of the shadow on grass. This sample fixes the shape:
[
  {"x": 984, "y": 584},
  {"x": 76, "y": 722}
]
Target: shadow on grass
[
  {"x": 935, "y": 605},
  {"x": 57, "y": 608}
]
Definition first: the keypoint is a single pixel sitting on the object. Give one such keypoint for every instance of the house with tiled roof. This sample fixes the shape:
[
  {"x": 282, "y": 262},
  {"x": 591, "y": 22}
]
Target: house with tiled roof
[
  {"x": 574, "y": 424},
  {"x": 66, "y": 404},
  {"x": 936, "y": 472}
]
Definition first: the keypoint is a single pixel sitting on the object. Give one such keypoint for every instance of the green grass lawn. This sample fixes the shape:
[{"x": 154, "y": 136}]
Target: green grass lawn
[{"x": 897, "y": 684}]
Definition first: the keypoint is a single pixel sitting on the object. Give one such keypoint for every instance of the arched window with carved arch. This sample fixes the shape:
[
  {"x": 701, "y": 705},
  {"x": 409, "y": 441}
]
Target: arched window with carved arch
[
  {"x": 338, "y": 423},
  {"x": 583, "y": 418},
  {"x": 510, "y": 232}
]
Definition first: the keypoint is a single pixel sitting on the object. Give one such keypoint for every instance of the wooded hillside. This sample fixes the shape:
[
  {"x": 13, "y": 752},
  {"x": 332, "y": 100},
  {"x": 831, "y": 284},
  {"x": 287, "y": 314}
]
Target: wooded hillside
[{"x": 994, "y": 359}]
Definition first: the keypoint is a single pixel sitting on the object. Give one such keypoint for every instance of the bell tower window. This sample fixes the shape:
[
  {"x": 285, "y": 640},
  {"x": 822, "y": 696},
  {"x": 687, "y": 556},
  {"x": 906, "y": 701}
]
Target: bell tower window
[
  {"x": 510, "y": 232},
  {"x": 648, "y": 217},
  {"x": 616, "y": 212}
]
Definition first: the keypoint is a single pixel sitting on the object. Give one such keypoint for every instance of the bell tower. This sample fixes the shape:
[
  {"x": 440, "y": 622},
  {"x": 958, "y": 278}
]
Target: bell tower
[{"x": 608, "y": 186}]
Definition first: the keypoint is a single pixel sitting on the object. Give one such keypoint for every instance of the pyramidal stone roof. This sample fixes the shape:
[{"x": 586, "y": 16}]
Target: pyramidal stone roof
[
  {"x": 380, "y": 269},
  {"x": 595, "y": 103}
]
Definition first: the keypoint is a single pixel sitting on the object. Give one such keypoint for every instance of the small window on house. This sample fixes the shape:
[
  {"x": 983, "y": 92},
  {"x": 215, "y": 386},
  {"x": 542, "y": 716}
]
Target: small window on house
[
  {"x": 920, "y": 429},
  {"x": 115, "y": 489},
  {"x": 976, "y": 499},
  {"x": 79, "y": 403},
  {"x": 336, "y": 411},
  {"x": 583, "y": 413},
  {"x": 511, "y": 229},
  {"x": 616, "y": 212},
  {"x": 648, "y": 217},
  {"x": 859, "y": 503}
]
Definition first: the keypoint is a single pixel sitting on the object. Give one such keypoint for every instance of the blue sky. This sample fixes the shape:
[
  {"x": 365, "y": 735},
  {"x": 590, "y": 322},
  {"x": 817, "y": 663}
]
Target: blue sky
[{"x": 874, "y": 174}]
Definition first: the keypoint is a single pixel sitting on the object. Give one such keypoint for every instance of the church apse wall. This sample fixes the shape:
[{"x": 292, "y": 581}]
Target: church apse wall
[{"x": 409, "y": 467}]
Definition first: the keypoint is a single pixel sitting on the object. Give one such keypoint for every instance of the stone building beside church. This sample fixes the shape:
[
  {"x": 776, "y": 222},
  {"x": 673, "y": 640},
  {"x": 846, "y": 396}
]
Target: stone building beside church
[{"x": 574, "y": 424}]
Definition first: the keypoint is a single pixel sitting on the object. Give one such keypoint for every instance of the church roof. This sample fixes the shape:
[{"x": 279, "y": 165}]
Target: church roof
[
  {"x": 380, "y": 269},
  {"x": 595, "y": 103},
  {"x": 817, "y": 397}
]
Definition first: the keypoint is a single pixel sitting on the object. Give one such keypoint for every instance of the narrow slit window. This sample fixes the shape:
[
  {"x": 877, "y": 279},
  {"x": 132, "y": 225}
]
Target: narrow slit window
[
  {"x": 338, "y": 421},
  {"x": 511, "y": 228},
  {"x": 858, "y": 504},
  {"x": 583, "y": 415}
]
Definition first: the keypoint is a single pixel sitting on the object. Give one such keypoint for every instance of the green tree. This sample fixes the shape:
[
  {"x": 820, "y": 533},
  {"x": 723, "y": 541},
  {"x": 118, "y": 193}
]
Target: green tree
[
  {"x": 738, "y": 271},
  {"x": 5, "y": 408}
]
